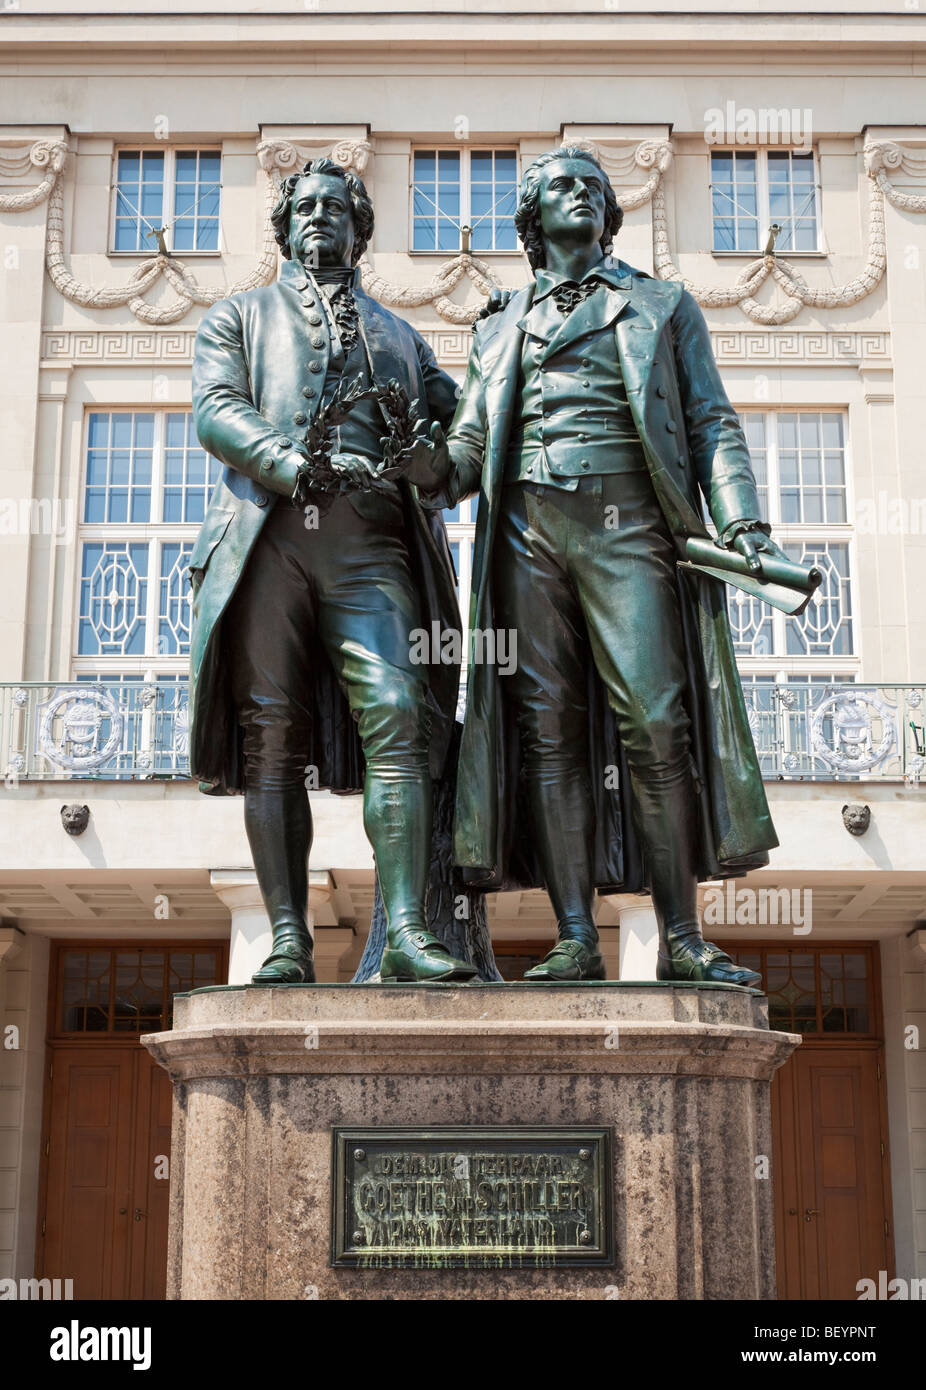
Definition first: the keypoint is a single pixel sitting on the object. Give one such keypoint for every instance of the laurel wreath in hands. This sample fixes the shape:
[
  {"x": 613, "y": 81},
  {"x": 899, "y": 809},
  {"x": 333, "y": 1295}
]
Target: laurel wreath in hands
[{"x": 321, "y": 474}]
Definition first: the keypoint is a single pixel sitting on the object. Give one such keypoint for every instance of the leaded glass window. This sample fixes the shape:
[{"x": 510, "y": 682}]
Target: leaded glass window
[
  {"x": 127, "y": 989},
  {"x": 147, "y": 486},
  {"x": 814, "y": 990},
  {"x": 801, "y": 464}
]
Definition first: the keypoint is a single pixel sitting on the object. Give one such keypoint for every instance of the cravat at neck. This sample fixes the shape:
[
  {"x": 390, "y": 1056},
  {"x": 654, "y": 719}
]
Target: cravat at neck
[
  {"x": 571, "y": 293},
  {"x": 334, "y": 275}
]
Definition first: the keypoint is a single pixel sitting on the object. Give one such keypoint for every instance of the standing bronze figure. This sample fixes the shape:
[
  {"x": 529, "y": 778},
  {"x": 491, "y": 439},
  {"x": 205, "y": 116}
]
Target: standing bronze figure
[
  {"x": 305, "y": 593},
  {"x": 593, "y": 422}
]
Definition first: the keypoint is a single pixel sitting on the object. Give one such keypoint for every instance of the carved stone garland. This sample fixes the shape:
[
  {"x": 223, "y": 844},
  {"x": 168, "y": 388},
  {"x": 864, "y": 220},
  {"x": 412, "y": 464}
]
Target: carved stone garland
[
  {"x": 649, "y": 154},
  {"x": 282, "y": 155},
  {"x": 288, "y": 157},
  {"x": 885, "y": 154},
  {"x": 878, "y": 157},
  {"x": 44, "y": 154}
]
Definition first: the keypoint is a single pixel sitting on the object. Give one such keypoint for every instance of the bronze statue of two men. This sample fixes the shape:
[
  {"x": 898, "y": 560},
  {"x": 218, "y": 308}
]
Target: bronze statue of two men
[{"x": 615, "y": 754}]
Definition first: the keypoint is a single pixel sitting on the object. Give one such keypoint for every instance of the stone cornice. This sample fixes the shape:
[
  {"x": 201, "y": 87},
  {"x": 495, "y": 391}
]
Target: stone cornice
[{"x": 816, "y": 38}]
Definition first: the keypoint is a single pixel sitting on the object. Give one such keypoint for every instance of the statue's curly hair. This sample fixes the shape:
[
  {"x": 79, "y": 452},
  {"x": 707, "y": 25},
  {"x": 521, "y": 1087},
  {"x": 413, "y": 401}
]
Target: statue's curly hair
[
  {"x": 361, "y": 206},
  {"x": 527, "y": 214}
]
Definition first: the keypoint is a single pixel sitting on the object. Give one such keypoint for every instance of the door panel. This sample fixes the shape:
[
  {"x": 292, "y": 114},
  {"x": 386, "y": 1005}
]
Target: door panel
[
  {"x": 108, "y": 1112},
  {"x": 86, "y": 1226},
  {"x": 829, "y": 1128},
  {"x": 831, "y": 1205},
  {"x": 149, "y": 1216}
]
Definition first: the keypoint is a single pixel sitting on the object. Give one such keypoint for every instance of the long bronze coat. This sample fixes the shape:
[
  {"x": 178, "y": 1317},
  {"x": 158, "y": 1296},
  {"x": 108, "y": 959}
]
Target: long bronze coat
[
  {"x": 695, "y": 449},
  {"x": 251, "y": 362}
]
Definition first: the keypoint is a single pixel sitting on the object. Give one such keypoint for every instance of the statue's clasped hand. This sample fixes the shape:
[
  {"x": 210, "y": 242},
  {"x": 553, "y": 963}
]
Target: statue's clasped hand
[
  {"x": 426, "y": 461},
  {"x": 362, "y": 474},
  {"x": 303, "y": 484},
  {"x": 752, "y": 540}
]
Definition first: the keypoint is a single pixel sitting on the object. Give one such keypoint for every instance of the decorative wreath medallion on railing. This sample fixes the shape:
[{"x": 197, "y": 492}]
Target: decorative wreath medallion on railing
[
  {"x": 73, "y": 729},
  {"x": 853, "y": 713}
]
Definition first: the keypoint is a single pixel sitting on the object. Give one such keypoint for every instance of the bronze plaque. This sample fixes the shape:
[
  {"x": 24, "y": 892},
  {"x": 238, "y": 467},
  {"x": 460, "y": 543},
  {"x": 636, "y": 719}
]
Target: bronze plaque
[{"x": 483, "y": 1196}]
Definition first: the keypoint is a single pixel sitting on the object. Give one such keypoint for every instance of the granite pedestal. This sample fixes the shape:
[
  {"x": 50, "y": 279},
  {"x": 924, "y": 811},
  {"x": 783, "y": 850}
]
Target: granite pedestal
[{"x": 678, "y": 1075}]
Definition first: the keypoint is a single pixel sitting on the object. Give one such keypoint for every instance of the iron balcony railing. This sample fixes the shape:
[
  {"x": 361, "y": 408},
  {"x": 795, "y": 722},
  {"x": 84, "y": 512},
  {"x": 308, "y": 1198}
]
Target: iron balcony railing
[
  {"x": 131, "y": 729},
  {"x": 139, "y": 729}
]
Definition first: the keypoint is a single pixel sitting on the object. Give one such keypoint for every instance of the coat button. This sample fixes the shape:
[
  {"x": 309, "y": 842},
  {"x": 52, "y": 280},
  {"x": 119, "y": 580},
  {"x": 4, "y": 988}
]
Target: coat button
[
  {"x": 285, "y": 443},
  {"x": 661, "y": 392},
  {"x": 682, "y": 463},
  {"x": 315, "y": 366},
  {"x": 300, "y": 418},
  {"x": 583, "y": 438},
  {"x": 261, "y": 499},
  {"x": 317, "y": 340},
  {"x": 671, "y": 426},
  {"x": 585, "y": 463},
  {"x": 314, "y": 320},
  {"x": 308, "y": 392}
]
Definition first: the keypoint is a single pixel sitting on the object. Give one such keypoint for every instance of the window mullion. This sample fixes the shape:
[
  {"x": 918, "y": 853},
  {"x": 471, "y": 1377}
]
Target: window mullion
[
  {"x": 792, "y": 205},
  {"x": 771, "y": 468},
  {"x": 156, "y": 511},
  {"x": 465, "y": 200},
  {"x": 466, "y": 576},
  {"x": 155, "y": 544},
  {"x": 166, "y": 198},
  {"x": 763, "y": 204},
  {"x": 151, "y": 607},
  {"x": 114, "y": 196},
  {"x": 779, "y": 629}
]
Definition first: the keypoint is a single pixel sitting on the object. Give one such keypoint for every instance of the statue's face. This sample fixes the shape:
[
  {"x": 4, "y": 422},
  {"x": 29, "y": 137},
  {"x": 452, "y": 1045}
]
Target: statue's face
[
  {"x": 572, "y": 203},
  {"x": 321, "y": 223}
]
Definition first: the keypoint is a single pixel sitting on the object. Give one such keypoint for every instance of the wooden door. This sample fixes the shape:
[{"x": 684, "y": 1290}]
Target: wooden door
[
  {"x": 105, "y": 1178},
  {"x": 106, "y": 1210},
  {"x": 829, "y": 1121},
  {"x": 832, "y": 1218},
  {"x": 87, "y": 1219}
]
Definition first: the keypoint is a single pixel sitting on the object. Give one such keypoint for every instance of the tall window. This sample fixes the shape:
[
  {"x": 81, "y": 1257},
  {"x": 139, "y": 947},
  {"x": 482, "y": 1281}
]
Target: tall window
[
  {"x": 172, "y": 191},
  {"x": 752, "y": 189},
  {"x": 461, "y": 530},
  {"x": 800, "y": 463},
  {"x": 464, "y": 198},
  {"x": 147, "y": 485}
]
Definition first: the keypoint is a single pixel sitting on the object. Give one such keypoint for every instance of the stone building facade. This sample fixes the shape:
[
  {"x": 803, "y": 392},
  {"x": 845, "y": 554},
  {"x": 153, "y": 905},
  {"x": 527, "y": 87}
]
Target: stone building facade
[{"x": 140, "y": 150}]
